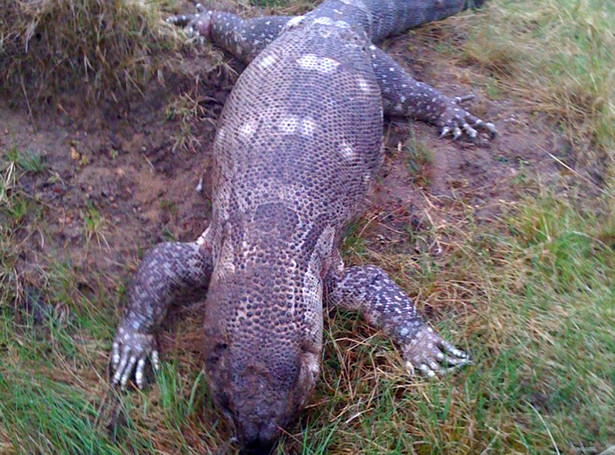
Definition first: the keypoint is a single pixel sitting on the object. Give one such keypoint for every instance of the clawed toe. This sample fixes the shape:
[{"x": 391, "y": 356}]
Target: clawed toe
[
  {"x": 181, "y": 20},
  {"x": 471, "y": 132},
  {"x": 444, "y": 131},
  {"x": 129, "y": 354},
  {"x": 492, "y": 130},
  {"x": 461, "y": 99},
  {"x": 456, "y": 133},
  {"x": 431, "y": 355},
  {"x": 132, "y": 365},
  {"x": 458, "y": 121}
]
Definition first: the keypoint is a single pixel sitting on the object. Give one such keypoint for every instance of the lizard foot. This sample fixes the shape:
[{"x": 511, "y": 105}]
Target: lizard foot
[
  {"x": 198, "y": 24},
  {"x": 430, "y": 354},
  {"x": 456, "y": 121},
  {"x": 129, "y": 352}
]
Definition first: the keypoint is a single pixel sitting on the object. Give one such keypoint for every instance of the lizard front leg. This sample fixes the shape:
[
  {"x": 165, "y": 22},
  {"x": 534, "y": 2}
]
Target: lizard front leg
[
  {"x": 169, "y": 272},
  {"x": 383, "y": 304},
  {"x": 244, "y": 38},
  {"x": 403, "y": 95}
]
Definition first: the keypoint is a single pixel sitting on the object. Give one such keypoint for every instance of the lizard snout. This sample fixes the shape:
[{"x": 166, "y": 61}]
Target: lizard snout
[
  {"x": 257, "y": 439},
  {"x": 260, "y": 445}
]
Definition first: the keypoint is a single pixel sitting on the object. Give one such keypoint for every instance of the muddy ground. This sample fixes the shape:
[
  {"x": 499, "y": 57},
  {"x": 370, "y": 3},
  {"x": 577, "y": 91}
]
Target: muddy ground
[{"x": 119, "y": 164}]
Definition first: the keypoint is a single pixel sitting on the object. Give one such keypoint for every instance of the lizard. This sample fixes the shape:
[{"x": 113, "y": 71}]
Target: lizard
[{"x": 297, "y": 145}]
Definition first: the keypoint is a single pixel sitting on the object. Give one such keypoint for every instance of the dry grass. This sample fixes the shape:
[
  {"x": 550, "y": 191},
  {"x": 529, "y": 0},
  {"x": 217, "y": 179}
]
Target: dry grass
[{"x": 100, "y": 49}]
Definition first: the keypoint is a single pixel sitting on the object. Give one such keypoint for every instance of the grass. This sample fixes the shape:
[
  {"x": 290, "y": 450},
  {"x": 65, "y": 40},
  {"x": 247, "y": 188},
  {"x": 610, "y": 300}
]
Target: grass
[
  {"x": 419, "y": 159},
  {"x": 103, "y": 50},
  {"x": 557, "y": 56},
  {"x": 186, "y": 110},
  {"x": 530, "y": 294}
]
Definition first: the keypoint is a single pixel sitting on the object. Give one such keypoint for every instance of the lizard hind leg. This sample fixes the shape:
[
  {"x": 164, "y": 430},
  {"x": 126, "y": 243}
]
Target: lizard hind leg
[
  {"x": 244, "y": 38},
  {"x": 404, "y": 96}
]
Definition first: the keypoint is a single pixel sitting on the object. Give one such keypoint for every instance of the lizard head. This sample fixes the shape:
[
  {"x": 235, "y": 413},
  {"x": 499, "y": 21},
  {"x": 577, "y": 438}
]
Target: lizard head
[{"x": 262, "y": 393}]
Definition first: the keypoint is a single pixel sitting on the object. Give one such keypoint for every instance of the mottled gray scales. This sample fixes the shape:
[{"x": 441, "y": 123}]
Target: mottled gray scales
[
  {"x": 168, "y": 274},
  {"x": 383, "y": 304},
  {"x": 370, "y": 291},
  {"x": 297, "y": 145},
  {"x": 244, "y": 38}
]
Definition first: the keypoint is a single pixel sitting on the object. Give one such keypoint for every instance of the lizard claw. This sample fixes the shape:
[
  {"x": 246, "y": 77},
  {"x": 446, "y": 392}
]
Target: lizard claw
[
  {"x": 458, "y": 121},
  {"x": 461, "y": 99},
  {"x": 431, "y": 355},
  {"x": 198, "y": 24},
  {"x": 470, "y": 131},
  {"x": 129, "y": 353},
  {"x": 456, "y": 133},
  {"x": 444, "y": 131}
]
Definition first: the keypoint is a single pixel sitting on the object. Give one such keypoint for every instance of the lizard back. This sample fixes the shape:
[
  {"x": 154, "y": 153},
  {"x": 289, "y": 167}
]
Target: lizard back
[{"x": 297, "y": 145}]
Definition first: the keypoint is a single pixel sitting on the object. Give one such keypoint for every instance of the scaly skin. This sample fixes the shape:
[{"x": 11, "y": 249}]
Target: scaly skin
[
  {"x": 298, "y": 143},
  {"x": 402, "y": 95}
]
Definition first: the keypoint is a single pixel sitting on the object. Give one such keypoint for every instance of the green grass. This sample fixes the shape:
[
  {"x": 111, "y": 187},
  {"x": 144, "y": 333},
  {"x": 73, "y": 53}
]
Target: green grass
[
  {"x": 559, "y": 56},
  {"x": 530, "y": 295},
  {"x": 419, "y": 158}
]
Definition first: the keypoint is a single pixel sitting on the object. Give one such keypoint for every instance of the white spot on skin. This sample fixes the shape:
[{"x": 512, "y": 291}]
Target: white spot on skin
[
  {"x": 347, "y": 152},
  {"x": 324, "y": 21},
  {"x": 320, "y": 64},
  {"x": 308, "y": 127},
  {"x": 363, "y": 85},
  {"x": 293, "y": 22},
  {"x": 288, "y": 125},
  {"x": 247, "y": 129},
  {"x": 266, "y": 61}
]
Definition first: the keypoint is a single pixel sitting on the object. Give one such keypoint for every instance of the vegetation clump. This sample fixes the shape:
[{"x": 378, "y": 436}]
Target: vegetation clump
[
  {"x": 103, "y": 48},
  {"x": 559, "y": 56}
]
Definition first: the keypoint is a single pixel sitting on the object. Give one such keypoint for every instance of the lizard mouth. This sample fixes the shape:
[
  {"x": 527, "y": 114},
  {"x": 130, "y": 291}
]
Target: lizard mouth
[{"x": 259, "y": 448}]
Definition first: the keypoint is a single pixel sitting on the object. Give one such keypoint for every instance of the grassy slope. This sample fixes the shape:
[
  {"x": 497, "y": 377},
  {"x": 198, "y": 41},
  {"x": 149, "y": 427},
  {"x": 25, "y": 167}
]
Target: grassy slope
[{"x": 531, "y": 296}]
